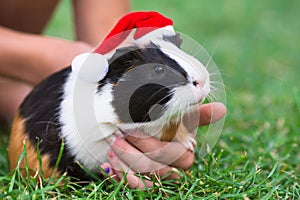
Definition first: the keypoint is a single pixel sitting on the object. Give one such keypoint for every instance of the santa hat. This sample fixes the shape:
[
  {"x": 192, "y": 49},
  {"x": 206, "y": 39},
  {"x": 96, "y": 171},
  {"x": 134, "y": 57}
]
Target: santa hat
[{"x": 134, "y": 28}]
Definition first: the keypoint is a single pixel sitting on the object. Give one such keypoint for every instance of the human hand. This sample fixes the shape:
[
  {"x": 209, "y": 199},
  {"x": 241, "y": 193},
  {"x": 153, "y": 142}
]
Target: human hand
[{"x": 139, "y": 153}]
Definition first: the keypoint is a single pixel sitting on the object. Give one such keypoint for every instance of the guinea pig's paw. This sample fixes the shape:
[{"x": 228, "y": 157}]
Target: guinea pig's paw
[{"x": 190, "y": 143}]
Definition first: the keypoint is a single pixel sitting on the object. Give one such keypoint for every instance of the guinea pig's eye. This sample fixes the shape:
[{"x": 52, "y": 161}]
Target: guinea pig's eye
[{"x": 158, "y": 69}]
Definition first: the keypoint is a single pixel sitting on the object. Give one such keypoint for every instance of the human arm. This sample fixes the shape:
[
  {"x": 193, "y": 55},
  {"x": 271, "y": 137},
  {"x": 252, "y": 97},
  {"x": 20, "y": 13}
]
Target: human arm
[
  {"x": 95, "y": 18},
  {"x": 30, "y": 58}
]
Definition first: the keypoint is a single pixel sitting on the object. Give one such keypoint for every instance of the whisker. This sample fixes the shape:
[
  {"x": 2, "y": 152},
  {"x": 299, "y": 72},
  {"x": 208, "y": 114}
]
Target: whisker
[
  {"x": 211, "y": 56},
  {"x": 165, "y": 97},
  {"x": 220, "y": 87},
  {"x": 213, "y": 97},
  {"x": 159, "y": 91},
  {"x": 46, "y": 122},
  {"x": 214, "y": 74},
  {"x": 217, "y": 83}
]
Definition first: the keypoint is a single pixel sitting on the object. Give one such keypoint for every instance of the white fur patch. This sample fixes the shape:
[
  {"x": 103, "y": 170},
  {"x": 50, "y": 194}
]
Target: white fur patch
[
  {"x": 90, "y": 67},
  {"x": 81, "y": 114},
  {"x": 88, "y": 118}
]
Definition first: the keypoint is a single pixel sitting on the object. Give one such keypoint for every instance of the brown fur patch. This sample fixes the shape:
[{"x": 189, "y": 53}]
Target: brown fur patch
[
  {"x": 174, "y": 131},
  {"x": 16, "y": 146},
  {"x": 182, "y": 134},
  {"x": 169, "y": 132}
]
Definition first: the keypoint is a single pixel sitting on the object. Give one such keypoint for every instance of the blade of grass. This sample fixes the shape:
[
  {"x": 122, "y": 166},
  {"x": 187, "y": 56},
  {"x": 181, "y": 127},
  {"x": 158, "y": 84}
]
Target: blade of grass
[{"x": 191, "y": 189}]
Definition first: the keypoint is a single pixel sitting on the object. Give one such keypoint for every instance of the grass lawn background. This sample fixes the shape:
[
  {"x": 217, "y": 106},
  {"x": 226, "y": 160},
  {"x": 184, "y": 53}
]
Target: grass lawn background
[{"x": 256, "y": 47}]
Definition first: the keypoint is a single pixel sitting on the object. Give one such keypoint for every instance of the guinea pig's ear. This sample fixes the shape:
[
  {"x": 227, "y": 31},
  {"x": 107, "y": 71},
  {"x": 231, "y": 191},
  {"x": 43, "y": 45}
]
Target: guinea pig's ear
[
  {"x": 175, "y": 39},
  {"x": 122, "y": 51},
  {"x": 90, "y": 67}
]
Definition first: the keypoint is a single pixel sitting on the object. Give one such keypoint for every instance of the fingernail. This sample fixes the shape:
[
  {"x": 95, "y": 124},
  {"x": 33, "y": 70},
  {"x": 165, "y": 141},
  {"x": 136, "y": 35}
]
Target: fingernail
[
  {"x": 111, "y": 154},
  {"x": 111, "y": 139},
  {"x": 107, "y": 169}
]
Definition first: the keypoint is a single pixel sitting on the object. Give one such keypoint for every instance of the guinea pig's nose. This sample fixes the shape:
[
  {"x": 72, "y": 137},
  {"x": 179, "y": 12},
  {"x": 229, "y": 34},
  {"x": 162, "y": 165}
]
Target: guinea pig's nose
[{"x": 198, "y": 83}]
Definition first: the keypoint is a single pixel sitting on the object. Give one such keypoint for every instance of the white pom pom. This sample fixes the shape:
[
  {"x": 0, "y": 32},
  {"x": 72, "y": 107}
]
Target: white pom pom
[{"x": 90, "y": 67}]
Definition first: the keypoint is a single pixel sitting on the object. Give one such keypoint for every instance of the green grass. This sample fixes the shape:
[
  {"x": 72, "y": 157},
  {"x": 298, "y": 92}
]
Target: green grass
[{"x": 256, "y": 47}]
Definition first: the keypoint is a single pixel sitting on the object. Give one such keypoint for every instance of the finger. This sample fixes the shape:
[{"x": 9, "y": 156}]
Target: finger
[
  {"x": 140, "y": 162},
  {"x": 122, "y": 170},
  {"x": 191, "y": 121},
  {"x": 137, "y": 160},
  {"x": 168, "y": 153},
  {"x": 185, "y": 161},
  {"x": 211, "y": 112},
  {"x": 108, "y": 171}
]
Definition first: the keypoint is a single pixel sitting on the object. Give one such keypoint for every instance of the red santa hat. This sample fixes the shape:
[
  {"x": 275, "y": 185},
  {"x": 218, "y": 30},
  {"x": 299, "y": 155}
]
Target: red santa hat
[
  {"x": 140, "y": 22},
  {"x": 134, "y": 28}
]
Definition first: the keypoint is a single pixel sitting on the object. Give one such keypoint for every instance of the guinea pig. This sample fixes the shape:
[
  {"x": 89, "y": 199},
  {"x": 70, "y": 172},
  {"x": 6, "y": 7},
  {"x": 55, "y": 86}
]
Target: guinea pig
[{"x": 147, "y": 87}]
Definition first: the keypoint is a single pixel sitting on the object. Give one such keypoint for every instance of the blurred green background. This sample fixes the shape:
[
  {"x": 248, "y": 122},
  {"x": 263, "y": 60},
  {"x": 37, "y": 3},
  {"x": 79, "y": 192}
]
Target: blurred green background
[{"x": 256, "y": 46}]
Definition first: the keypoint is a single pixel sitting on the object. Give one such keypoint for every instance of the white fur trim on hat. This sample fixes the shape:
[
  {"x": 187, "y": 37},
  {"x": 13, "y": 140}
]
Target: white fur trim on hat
[{"x": 90, "y": 67}]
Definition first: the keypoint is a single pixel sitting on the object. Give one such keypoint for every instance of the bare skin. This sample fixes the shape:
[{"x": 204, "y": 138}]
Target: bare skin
[
  {"x": 27, "y": 57},
  {"x": 124, "y": 153}
]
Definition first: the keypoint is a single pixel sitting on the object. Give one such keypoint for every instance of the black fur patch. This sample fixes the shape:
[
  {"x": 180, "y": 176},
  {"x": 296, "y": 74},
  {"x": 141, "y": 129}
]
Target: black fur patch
[
  {"x": 144, "y": 79},
  {"x": 151, "y": 109},
  {"x": 175, "y": 39},
  {"x": 40, "y": 110}
]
